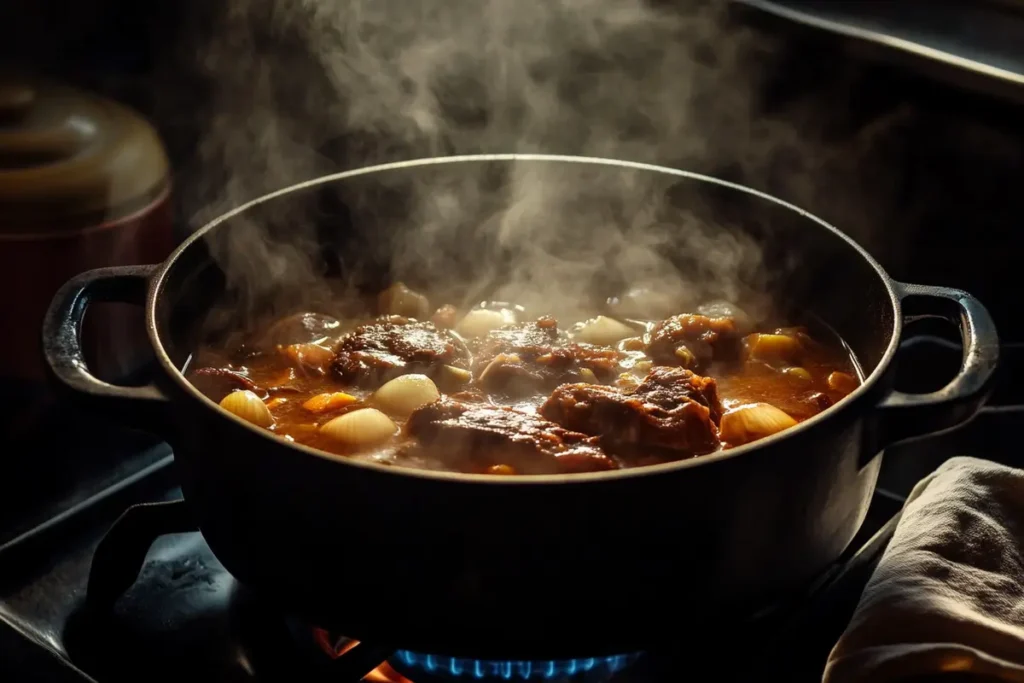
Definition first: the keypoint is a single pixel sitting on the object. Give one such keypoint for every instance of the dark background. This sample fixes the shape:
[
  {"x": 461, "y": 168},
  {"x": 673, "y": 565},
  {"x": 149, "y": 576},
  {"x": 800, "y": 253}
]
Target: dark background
[{"x": 949, "y": 169}]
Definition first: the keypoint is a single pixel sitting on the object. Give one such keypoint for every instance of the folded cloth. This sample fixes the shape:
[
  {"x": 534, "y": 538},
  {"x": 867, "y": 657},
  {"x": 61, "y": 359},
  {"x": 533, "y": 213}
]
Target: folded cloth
[{"x": 948, "y": 593}]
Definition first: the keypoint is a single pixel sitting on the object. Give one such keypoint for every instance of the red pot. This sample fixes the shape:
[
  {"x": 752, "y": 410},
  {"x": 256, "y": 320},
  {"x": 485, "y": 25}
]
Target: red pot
[{"x": 84, "y": 184}]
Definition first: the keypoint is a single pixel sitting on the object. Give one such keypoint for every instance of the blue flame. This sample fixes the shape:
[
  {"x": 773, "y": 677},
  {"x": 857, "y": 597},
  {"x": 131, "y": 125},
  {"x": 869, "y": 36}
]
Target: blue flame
[{"x": 543, "y": 670}]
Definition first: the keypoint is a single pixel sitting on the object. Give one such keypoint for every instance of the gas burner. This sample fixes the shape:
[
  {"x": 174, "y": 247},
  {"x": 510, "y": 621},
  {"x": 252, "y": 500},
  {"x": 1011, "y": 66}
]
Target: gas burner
[
  {"x": 402, "y": 665},
  {"x": 160, "y": 607},
  {"x": 460, "y": 668},
  {"x": 405, "y": 666}
]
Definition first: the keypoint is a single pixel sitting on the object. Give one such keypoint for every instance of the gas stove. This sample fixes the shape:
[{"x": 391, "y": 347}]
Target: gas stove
[
  {"x": 121, "y": 587},
  {"x": 145, "y": 599}
]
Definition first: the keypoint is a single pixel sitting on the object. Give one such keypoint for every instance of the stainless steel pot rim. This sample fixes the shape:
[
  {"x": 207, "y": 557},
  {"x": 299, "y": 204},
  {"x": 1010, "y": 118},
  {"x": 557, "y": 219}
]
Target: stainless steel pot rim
[{"x": 158, "y": 280}]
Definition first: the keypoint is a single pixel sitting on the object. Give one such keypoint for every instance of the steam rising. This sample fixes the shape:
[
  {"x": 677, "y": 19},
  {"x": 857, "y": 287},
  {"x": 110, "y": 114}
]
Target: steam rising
[{"x": 308, "y": 87}]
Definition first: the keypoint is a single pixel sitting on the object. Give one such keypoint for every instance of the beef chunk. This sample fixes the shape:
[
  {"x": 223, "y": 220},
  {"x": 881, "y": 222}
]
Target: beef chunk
[
  {"x": 665, "y": 387},
  {"x": 691, "y": 341},
  {"x": 540, "y": 334},
  {"x": 527, "y": 357},
  {"x": 672, "y": 410},
  {"x": 479, "y": 438},
  {"x": 372, "y": 354},
  {"x": 219, "y": 382}
]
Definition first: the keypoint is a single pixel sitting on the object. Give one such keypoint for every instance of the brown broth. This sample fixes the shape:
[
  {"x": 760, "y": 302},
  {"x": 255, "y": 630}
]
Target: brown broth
[{"x": 286, "y": 386}]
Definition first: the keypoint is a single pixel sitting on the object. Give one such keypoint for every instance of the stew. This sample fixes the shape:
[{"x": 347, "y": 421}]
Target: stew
[{"x": 495, "y": 391}]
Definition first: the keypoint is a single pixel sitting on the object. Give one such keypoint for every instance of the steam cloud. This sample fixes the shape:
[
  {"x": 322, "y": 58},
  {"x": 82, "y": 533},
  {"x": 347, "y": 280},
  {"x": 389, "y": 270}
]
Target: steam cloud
[{"x": 308, "y": 87}]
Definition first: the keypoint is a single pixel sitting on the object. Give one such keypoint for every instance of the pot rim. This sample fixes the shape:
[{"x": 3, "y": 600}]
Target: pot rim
[{"x": 159, "y": 278}]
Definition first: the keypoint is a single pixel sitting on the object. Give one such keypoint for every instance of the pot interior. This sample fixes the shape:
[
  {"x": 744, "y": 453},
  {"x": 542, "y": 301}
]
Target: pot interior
[{"x": 549, "y": 233}]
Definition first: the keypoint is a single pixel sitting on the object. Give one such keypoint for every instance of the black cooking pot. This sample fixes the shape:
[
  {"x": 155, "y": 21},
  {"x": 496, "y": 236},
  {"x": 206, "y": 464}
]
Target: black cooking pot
[{"x": 575, "y": 565}]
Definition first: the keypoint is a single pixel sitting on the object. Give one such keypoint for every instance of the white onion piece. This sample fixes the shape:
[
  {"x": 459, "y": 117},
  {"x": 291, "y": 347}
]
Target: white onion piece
[
  {"x": 249, "y": 407},
  {"x": 400, "y": 300},
  {"x": 405, "y": 393},
  {"x": 603, "y": 331},
  {"x": 724, "y": 309},
  {"x": 457, "y": 375},
  {"x": 360, "y": 428},
  {"x": 480, "y": 321},
  {"x": 751, "y": 422}
]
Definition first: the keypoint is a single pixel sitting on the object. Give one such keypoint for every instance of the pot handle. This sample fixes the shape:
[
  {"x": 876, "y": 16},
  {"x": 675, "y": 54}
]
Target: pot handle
[
  {"x": 142, "y": 406},
  {"x": 904, "y": 416}
]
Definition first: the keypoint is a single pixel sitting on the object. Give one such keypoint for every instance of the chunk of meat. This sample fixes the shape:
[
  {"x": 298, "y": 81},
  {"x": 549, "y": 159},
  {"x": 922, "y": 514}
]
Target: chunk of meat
[
  {"x": 672, "y": 410},
  {"x": 664, "y": 386},
  {"x": 479, "y": 437},
  {"x": 691, "y": 341},
  {"x": 526, "y": 357},
  {"x": 540, "y": 334},
  {"x": 217, "y": 383},
  {"x": 372, "y": 354}
]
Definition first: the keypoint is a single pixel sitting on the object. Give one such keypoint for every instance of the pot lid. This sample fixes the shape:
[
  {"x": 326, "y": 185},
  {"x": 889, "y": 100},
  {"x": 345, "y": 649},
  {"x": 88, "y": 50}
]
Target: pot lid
[{"x": 69, "y": 159}]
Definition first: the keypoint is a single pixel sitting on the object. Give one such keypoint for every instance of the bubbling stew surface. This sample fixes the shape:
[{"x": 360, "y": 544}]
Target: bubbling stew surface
[{"x": 494, "y": 391}]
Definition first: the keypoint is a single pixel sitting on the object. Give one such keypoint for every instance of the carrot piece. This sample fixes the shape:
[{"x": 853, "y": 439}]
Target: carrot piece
[
  {"x": 275, "y": 402},
  {"x": 842, "y": 382},
  {"x": 324, "y": 402}
]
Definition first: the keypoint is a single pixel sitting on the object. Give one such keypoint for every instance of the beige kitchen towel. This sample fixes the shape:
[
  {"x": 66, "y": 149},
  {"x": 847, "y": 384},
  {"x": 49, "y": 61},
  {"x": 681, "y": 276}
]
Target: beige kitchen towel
[{"x": 948, "y": 593}]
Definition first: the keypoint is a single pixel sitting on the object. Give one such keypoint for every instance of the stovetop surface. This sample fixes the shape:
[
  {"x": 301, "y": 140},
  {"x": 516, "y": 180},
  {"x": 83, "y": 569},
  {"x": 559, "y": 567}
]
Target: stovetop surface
[{"x": 186, "y": 617}]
